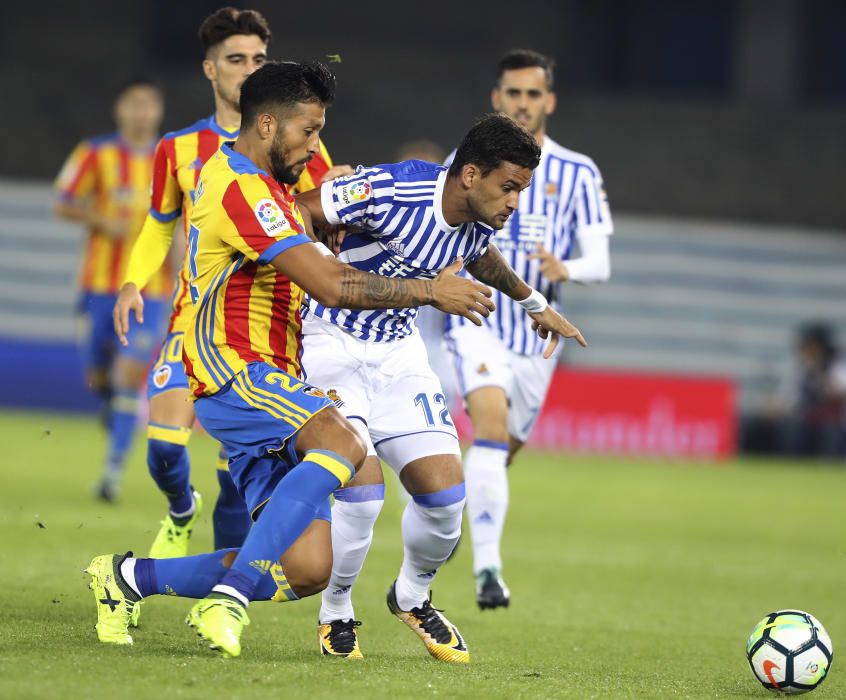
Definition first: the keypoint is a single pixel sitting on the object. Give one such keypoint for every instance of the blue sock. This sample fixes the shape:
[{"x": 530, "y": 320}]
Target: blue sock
[
  {"x": 124, "y": 414},
  {"x": 194, "y": 577},
  {"x": 231, "y": 519},
  {"x": 169, "y": 465},
  {"x": 290, "y": 510}
]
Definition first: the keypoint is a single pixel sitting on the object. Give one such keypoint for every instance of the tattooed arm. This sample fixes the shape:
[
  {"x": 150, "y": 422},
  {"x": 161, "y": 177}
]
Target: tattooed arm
[
  {"x": 336, "y": 284},
  {"x": 494, "y": 270}
]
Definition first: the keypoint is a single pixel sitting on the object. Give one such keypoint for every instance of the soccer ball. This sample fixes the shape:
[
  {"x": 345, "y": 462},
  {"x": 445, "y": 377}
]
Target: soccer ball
[{"x": 790, "y": 652}]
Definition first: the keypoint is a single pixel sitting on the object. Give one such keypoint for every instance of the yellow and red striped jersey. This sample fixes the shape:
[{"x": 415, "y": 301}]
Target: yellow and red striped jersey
[
  {"x": 180, "y": 156},
  {"x": 243, "y": 310},
  {"x": 115, "y": 178}
]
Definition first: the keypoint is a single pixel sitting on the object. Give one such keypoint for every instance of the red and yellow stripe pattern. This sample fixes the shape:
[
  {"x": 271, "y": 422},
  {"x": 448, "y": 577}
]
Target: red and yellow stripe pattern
[
  {"x": 115, "y": 179},
  {"x": 179, "y": 158},
  {"x": 243, "y": 310}
]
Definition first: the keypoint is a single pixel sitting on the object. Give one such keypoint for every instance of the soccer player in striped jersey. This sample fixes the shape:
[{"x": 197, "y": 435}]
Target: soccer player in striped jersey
[
  {"x": 501, "y": 372},
  {"x": 289, "y": 448},
  {"x": 414, "y": 219},
  {"x": 105, "y": 185},
  {"x": 235, "y": 43}
]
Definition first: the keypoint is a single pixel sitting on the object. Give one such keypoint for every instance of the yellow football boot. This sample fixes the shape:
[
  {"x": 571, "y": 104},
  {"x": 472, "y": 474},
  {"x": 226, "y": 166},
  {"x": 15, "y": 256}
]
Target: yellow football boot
[
  {"x": 220, "y": 622},
  {"x": 135, "y": 615},
  {"x": 339, "y": 638},
  {"x": 172, "y": 540},
  {"x": 115, "y": 600},
  {"x": 441, "y": 638}
]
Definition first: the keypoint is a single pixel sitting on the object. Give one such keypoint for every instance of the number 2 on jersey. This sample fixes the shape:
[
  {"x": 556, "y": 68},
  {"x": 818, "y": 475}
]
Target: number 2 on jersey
[{"x": 423, "y": 401}]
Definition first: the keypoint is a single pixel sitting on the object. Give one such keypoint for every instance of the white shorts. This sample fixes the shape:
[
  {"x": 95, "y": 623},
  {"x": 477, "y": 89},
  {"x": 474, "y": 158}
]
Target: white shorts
[
  {"x": 387, "y": 390},
  {"x": 481, "y": 359}
]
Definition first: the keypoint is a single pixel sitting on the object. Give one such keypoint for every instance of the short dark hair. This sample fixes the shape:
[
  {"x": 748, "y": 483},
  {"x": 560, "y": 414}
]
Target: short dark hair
[
  {"x": 285, "y": 83},
  {"x": 140, "y": 81},
  {"x": 229, "y": 21},
  {"x": 495, "y": 139},
  {"x": 526, "y": 58}
]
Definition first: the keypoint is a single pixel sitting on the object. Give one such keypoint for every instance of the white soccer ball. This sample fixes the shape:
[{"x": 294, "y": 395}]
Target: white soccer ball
[{"x": 790, "y": 652}]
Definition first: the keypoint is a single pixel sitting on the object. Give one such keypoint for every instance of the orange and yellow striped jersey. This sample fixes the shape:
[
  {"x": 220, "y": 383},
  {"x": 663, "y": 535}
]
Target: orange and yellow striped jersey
[
  {"x": 243, "y": 310},
  {"x": 180, "y": 156},
  {"x": 115, "y": 178}
]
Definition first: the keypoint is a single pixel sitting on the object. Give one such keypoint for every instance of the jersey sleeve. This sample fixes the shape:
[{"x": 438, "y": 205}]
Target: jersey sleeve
[
  {"x": 78, "y": 176},
  {"x": 263, "y": 226},
  {"x": 593, "y": 217},
  {"x": 166, "y": 195},
  {"x": 149, "y": 251},
  {"x": 361, "y": 200}
]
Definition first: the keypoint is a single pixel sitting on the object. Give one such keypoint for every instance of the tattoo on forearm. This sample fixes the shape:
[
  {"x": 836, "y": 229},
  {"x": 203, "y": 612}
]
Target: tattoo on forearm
[
  {"x": 493, "y": 270},
  {"x": 365, "y": 290}
]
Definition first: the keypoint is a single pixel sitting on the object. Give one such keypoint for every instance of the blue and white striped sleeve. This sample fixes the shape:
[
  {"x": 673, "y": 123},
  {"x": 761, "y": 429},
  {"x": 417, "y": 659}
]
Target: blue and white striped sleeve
[
  {"x": 593, "y": 215},
  {"x": 361, "y": 200}
]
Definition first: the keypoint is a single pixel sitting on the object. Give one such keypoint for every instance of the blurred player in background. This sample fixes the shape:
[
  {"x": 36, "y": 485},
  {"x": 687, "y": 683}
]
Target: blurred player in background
[
  {"x": 105, "y": 185},
  {"x": 501, "y": 371},
  {"x": 250, "y": 261},
  {"x": 412, "y": 220},
  {"x": 235, "y": 43}
]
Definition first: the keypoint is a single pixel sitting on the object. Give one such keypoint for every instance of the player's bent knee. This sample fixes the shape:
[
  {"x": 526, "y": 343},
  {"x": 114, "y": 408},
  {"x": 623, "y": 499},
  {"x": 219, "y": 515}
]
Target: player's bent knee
[
  {"x": 329, "y": 430},
  {"x": 445, "y": 506},
  {"x": 309, "y": 580},
  {"x": 173, "y": 407},
  {"x": 308, "y": 563}
]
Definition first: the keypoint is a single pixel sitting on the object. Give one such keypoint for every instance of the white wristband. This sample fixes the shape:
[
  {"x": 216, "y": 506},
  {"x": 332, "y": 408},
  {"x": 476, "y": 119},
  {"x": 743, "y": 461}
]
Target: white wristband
[
  {"x": 323, "y": 249},
  {"x": 535, "y": 303}
]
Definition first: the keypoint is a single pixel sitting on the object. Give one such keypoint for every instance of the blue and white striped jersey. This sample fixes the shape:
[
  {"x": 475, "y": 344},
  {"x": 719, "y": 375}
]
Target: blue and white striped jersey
[
  {"x": 398, "y": 210},
  {"x": 565, "y": 199}
]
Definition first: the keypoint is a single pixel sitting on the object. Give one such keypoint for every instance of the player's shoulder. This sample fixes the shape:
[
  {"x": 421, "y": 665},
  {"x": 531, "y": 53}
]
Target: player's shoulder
[
  {"x": 196, "y": 127},
  {"x": 100, "y": 141},
  {"x": 568, "y": 155},
  {"x": 413, "y": 171},
  {"x": 235, "y": 170}
]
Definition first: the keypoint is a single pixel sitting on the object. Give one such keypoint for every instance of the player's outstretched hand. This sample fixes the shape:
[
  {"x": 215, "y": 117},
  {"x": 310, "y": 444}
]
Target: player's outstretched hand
[
  {"x": 550, "y": 322},
  {"x": 550, "y": 266},
  {"x": 129, "y": 299},
  {"x": 337, "y": 171},
  {"x": 460, "y": 295}
]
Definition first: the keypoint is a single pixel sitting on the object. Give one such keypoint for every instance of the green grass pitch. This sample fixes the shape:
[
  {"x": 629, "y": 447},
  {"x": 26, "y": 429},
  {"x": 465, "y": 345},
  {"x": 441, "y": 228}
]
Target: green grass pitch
[{"x": 630, "y": 579}]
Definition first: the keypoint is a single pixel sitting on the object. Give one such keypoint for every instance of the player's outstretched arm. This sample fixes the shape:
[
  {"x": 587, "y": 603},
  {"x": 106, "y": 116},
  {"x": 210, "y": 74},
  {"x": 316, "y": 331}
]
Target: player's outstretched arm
[
  {"x": 148, "y": 255},
  {"x": 336, "y": 284},
  {"x": 494, "y": 270}
]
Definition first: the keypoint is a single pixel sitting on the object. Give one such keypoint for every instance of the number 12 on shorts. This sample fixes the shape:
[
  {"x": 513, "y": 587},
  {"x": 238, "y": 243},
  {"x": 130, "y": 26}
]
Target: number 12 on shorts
[{"x": 423, "y": 401}]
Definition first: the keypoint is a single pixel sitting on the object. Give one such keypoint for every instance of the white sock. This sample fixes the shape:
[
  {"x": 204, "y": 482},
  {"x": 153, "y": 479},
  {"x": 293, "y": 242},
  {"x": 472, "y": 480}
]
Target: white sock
[
  {"x": 352, "y": 533},
  {"x": 127, "y": 571},
  {"x": 487, "y": 501},
  {"x": 429, "y": 533}
]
